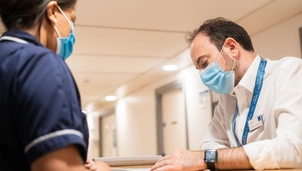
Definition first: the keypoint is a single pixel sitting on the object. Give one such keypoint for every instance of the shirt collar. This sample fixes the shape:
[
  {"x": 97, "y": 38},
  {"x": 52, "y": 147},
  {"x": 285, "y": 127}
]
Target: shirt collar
[{"x": 23, "y": 35}]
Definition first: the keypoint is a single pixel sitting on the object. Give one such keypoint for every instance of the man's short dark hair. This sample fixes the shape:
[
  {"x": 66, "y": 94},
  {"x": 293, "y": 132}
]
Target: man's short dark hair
[{"x": 219, "y": 29}]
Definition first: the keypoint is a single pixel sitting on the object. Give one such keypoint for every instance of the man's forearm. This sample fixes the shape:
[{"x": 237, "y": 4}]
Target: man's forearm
[{"x": 232, "y": 158}]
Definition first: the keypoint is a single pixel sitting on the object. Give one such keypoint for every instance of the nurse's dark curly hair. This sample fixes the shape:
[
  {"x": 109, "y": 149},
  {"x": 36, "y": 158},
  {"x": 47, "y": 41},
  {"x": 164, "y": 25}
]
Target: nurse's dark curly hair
[
  {"x": 219, "y": 29},
  {"x": 24, "y": 14}
]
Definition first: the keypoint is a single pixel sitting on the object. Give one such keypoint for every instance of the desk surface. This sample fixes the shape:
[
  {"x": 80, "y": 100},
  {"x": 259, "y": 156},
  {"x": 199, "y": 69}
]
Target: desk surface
[
  {"x": 146, "y": 167},
  {"x": 130, "y": 168}
]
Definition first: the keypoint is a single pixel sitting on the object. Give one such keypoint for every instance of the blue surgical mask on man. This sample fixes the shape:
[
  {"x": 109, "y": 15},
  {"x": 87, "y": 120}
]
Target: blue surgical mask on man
[
  {"x": 65, "y": 44},
  {"x": 216, "y": 79}
]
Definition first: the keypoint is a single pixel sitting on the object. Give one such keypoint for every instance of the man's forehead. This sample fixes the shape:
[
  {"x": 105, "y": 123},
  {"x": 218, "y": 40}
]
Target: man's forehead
[
  {"x": 191, "y": 45},
  {"x": 199, "y": 41},
  {"x": 201, "y": 38}
]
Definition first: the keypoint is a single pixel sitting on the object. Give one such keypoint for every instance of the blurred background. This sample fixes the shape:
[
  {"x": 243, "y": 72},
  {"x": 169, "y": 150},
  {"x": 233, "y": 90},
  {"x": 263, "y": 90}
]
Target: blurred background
[{"x": 122, "y": 48}]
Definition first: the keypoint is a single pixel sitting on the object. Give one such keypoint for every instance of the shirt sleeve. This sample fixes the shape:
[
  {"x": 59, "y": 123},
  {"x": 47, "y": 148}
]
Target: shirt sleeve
[
  {"x": 216, "y": 136},
  {"x": 284, "y": 151},
  {"x": 49, "y": 115}
]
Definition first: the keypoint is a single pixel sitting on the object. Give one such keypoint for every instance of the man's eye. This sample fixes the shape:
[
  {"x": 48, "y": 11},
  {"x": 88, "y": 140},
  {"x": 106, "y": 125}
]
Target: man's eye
[{"x": 204, "y": 64}]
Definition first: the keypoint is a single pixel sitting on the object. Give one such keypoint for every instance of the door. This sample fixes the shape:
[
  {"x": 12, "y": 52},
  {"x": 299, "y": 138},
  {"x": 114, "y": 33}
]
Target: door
[
  {"x": 174, "y": 121},
  {"x": 109, "y": 137}
]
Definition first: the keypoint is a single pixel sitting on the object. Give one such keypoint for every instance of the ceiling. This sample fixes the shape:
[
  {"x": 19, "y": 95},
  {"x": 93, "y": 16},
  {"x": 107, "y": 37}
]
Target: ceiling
[{"x": 121, "y": 46}]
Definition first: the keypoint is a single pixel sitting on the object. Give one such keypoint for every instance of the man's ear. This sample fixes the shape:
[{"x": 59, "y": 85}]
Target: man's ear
[
  {"x": 233, "y": 46},
  {"x": 51, "y": 11}
]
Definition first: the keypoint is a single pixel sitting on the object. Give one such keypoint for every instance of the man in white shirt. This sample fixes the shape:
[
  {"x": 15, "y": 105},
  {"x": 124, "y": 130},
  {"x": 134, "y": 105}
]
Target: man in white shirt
[{"x": 257, "y": 123}]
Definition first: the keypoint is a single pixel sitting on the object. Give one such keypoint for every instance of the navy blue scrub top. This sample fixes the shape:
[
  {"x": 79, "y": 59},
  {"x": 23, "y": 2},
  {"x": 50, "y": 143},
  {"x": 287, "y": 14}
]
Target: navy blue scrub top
[{"x": 40, "y": 109}]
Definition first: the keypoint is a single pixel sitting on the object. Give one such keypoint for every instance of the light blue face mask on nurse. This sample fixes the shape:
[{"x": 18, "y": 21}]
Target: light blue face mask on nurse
[
  {"x": 216, "y": 79},
  {"x": 65, "y": 44}
]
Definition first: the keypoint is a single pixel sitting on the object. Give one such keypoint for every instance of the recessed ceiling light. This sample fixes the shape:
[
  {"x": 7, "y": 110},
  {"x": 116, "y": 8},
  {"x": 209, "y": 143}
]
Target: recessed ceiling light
[
  {"x": 110, "y": 98},
  {"x": 169, "y": 67}
]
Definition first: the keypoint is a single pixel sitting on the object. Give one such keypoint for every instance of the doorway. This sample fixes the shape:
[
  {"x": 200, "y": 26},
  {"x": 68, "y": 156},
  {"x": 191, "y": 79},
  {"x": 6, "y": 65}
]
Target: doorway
[
  {"x": 171, "y": 118},
  {"x": 108, "y": 135}
]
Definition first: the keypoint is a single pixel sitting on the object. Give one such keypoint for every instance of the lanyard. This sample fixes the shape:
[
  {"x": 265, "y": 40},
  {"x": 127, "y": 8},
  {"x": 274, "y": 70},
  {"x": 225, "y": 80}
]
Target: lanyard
[
  {"x": 256, "y": 93},
  {"x": 14, "y": 39}
]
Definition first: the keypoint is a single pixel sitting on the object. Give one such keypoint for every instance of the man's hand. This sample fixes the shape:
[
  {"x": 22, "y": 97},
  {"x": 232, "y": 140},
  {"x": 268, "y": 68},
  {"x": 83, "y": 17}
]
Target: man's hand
[
  {"x": 97, "y": 166},
  {"x": 181, "y": 160}
]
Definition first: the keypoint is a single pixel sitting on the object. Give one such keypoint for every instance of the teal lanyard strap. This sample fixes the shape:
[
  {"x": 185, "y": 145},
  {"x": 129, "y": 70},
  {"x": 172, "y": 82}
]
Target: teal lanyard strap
[{"x": 256, "y": 93}]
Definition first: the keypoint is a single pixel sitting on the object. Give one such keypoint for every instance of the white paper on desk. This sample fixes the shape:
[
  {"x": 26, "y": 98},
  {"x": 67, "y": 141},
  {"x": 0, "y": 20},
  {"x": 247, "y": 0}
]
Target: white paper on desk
[
  {"x": 130, "y": 169},
  {"x": 129, "y": 161}
]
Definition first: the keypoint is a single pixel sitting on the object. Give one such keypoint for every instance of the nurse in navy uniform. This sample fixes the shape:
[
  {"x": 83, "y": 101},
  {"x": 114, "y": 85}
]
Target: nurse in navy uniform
[{"x": 42, "y": 126}]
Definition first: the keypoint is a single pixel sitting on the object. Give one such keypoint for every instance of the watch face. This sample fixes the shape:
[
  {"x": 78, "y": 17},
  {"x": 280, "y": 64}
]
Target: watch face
[{"x": 210, "y": 155}]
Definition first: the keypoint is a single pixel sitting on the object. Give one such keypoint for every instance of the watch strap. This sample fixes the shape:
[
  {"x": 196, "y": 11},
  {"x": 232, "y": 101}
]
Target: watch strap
[
  {"x": 211, "y": 166},
  {"x": 210, "y": 159}
]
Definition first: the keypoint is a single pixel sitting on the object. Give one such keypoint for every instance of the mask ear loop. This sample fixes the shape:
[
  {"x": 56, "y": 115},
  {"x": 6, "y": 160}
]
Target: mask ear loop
[
  {"x": 234, "y": 64},
  {"x": 70, "y": 23},
  {"x": 220, "y": 53},
  {"x": 57, "y": 31}
]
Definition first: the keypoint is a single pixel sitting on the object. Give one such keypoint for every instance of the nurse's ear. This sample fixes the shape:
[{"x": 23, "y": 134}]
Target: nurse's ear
[{"x": 51, "y": 12}]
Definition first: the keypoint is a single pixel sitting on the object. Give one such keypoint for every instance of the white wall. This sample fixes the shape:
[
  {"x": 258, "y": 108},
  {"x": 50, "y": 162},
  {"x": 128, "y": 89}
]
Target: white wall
[
  {"x": 280, "y": 40},
  {"x": 198, "y": 115},
  {"x": 136, "y": 124},
  {"x": 94, "y": 139}
]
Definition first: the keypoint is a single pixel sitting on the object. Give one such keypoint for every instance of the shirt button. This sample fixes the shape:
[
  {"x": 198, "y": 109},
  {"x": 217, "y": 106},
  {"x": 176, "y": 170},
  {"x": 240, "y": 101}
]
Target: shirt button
[{"x": 241, "y": 130}]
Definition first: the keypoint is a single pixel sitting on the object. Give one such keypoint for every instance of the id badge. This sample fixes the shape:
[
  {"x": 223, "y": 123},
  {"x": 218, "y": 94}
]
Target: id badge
[{"x": 255, "y": 123}]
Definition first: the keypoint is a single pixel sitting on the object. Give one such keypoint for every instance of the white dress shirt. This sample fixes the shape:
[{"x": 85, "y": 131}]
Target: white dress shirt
[{"x": 277, "y": 143}]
